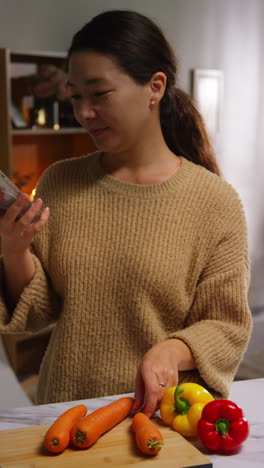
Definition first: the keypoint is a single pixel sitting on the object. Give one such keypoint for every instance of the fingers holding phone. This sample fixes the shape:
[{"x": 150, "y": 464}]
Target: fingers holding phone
[
  {"x": 20, "y": 221},
  {"x": 32, "y": 220}
]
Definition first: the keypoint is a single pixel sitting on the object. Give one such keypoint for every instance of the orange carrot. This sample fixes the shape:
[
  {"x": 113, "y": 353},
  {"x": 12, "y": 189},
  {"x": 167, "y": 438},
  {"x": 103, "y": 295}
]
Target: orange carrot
[
  {"x": 88, "y": 430},
  {"x": 57, "y": 437},
  {"x": 148, "y": 438}
]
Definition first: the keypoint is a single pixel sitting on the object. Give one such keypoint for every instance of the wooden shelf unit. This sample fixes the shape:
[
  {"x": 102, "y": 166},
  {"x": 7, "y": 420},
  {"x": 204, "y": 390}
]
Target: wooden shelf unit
[
  {"x": 31, "y": 151},
  {"x": 49, "y": 131}
]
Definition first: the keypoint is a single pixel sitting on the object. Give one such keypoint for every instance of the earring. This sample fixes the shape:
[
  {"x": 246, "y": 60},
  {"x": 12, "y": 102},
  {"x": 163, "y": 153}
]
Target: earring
[{"x": 152, "y": 102}]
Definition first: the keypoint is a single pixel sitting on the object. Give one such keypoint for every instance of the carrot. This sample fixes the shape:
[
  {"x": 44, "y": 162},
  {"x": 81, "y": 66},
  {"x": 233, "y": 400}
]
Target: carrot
[
  {"x": 88, "y": 430},
  {"x": 57, "y": 437},
  {"x": 148, "y": 438}
]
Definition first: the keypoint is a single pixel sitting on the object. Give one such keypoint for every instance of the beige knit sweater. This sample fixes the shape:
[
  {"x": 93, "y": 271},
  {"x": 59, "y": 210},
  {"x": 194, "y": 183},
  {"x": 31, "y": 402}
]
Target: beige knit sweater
[{"x": 121, "y": 267}]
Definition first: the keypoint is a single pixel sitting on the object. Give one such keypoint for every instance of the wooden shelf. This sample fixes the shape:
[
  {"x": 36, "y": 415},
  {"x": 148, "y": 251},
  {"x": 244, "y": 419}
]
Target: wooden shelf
[
  {"x": 36, "y": 56},
  {"x": 27, "y": 152},
  {"x": 49, "y": 131}
]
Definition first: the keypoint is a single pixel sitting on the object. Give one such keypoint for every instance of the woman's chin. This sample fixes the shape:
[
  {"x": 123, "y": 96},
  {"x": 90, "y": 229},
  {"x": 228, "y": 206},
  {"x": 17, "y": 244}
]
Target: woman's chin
[
  {"x": 104, "y": 148},
  {"x": 107, "y": 147}
]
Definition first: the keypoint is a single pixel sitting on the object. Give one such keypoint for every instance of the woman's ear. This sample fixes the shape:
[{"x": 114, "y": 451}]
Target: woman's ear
[{"x": 157, "y": 84}]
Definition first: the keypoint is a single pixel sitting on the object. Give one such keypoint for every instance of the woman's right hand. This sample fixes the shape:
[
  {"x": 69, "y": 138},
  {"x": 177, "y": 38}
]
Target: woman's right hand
[{"x": 17, "y": 234}]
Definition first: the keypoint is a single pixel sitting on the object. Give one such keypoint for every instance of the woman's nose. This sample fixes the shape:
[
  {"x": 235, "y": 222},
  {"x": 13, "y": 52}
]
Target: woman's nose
[{"x": 86, "y": 111}]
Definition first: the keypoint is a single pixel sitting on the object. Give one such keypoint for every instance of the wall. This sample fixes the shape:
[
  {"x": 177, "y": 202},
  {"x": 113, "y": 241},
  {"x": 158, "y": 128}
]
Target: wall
[{"x": 224, "y": 34}]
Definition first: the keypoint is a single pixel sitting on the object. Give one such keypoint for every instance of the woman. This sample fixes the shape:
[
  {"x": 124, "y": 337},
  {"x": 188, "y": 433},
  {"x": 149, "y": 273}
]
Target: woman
[{"x": 143, "y": 263}]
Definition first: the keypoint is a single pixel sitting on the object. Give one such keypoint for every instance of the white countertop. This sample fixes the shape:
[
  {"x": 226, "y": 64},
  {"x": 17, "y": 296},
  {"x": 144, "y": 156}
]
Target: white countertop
[{"x": 249, "y": 394}]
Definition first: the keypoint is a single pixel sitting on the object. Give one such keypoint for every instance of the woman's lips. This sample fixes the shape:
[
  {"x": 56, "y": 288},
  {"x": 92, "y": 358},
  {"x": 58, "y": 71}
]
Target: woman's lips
[{"x": 95, "y": 132}]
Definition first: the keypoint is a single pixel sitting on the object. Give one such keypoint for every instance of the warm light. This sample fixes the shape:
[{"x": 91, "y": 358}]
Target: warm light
[
  {"x": 32, "y": 195},
  {"x": 41, "y": 117}
]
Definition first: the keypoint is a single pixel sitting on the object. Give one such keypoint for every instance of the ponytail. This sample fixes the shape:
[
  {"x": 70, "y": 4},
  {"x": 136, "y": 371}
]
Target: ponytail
[{"x": 184, "y": 129}]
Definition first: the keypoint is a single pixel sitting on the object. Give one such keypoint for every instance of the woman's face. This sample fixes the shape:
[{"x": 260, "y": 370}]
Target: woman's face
[{"x": 107, "y": 102}]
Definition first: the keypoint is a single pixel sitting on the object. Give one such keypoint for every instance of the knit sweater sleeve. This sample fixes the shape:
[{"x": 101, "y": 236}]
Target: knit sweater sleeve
[
  {"x": 35, "y": 308},
  {"x": 219, "y": 321},
  {"x": 38, "y": 304}
]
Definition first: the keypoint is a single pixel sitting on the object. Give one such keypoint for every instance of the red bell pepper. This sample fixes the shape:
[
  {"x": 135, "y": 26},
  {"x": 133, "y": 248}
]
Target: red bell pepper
[{"x": 222, "y": 426}]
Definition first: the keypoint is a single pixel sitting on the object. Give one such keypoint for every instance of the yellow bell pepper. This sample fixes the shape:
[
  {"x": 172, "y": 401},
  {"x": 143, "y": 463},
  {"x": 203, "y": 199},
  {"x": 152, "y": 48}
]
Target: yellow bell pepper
[{"x": 181, "y": 407}]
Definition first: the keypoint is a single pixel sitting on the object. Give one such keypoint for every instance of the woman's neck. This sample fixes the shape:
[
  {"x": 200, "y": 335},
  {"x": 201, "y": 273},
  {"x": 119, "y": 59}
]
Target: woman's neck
[{"x": 149, "y": 165}]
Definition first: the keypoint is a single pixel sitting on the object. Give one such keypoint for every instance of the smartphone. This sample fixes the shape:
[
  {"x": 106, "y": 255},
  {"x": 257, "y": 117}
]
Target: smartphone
[{"x": 10, "y": 193}]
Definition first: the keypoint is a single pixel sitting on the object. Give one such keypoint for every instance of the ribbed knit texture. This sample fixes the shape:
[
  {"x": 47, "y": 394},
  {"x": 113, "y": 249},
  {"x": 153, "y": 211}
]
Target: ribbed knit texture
[{"x": 131, "y": 265}]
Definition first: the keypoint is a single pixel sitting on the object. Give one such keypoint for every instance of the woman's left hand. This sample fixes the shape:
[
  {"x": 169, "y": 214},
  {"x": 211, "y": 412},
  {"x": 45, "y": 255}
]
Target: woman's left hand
[{"x": 158, "y": 371}]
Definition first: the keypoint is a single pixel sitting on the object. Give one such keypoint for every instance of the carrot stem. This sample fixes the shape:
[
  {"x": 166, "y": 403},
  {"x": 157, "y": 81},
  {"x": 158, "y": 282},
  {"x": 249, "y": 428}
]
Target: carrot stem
[
  {"x": 54, "y": 442},
  {"x": 80, "y": 437},
  {"x": 154, "y": 444}
]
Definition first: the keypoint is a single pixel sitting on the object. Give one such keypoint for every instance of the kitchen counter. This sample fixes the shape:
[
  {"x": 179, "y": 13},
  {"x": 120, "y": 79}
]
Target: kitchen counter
[{"x": 247, "y": 393}]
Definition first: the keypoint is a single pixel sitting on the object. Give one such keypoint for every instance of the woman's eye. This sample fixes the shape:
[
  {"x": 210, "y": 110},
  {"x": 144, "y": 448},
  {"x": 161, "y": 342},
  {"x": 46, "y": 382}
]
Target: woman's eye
[
  {"x": 100, "y": 93},
  {"x": 75, "y": 97}
]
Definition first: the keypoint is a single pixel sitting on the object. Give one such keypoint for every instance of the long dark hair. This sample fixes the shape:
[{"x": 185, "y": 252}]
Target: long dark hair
[{"x": 140, "y": 48}]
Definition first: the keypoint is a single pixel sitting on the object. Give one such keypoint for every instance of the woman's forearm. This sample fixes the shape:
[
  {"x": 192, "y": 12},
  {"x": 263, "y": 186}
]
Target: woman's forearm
[{"x": 18, "y": 272}]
